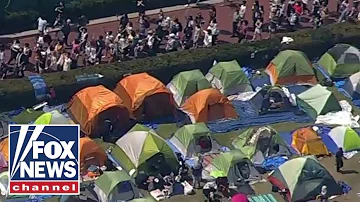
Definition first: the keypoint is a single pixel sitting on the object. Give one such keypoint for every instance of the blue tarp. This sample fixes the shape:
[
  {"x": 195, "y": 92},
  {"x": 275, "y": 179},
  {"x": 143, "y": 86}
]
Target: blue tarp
[
  {"x": 39, "y": 86},
  {"x": 287, "y": 137},
  {"x": 249, "y": 117},
  {"x": 260, "y": 81},
  {"x": 272, "y": 163},
  {"x": 329, "y": 143},
  {"x": 345, "y": 187},
  {"x": 355, "y": 97},
  {"x": 248, "y": 72}
]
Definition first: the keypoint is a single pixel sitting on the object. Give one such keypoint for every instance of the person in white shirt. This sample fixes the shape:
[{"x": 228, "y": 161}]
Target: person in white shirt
[
  {"x": 242, "y": 10},
  {"x": 67, "y": 62},
  {"x": 83, "y": 38},
  {"x": 196, "y": 38},
  {"x": 41, "y": 25},
  {"x": 150, "y": 39},
  {"x": 207, "y": 38},
  {"x": 214, "y": 32}
]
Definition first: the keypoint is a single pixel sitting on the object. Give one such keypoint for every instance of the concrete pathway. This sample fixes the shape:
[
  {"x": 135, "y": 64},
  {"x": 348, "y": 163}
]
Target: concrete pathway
[{"x": 110, "y": 19}]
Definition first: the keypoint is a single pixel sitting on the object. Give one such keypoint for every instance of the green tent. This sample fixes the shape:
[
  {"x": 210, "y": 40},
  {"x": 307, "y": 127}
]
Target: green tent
[
  {"x": 318, "y": 101},
  {"x": 290, "y": 67},
  {"x": 346, "y": 138},
  {"x": 341, "y": 61},
  {"x": 134, "y": 150},
  {"x": 234, "y": 165},
  {"x": 258, "y": 144},
  {"x": 229, "y": 78},
  {"x": 148, "y": 199},
  {"x": 27, "y": 116},
  {"x": 304, "y": 177},
  {"x": 53, "y": 117},
  {"x": 187, "y": 83},
  {"x": 115, "y": 185},
  {"x": 186, "y": 140}
]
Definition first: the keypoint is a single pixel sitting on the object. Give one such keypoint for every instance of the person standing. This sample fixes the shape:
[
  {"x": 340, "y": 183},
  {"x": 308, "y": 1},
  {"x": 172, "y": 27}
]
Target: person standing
[
  {"x": 214, "y": 32},
  {"x": 100, "y": 45},
  {"x": 196, "y": 38},
  {"x": 3, "y": 68},
  {"x": 42, "y": 23},
  {"x": 235, "y": 22},
  {"x": 207, "y": 38},
  {"x": 14, "y": 50},
  {"x": 67, "y": 62},
  {"x": 305, "y": 6},
  {"x": 212, "y": 14},
  {"x": 59, "y": 10},
  {"x": 197, "y": 173},
  {"x": 243, "y": 31},
  {"x": 258, "y": 29},
  {"x": 242, "y": 10},
  {"x": 66, "y": 29},
  {"x": 20, "y": 64},
  {"x": 339, "y": 159}
]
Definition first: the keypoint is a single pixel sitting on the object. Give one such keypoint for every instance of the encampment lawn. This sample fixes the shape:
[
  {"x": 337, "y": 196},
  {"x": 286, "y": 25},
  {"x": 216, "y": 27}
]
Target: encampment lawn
[{"x": 351, "y": 167}]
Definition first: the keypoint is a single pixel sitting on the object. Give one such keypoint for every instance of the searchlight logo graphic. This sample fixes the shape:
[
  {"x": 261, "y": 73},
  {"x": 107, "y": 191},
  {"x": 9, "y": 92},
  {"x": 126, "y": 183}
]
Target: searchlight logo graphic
[{"x": 44, "y": 159}]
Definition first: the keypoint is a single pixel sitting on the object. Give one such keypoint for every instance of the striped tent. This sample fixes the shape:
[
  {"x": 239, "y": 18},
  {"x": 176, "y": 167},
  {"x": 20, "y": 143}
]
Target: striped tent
[
  {"x": 303, "y": 177},
  {"x": 341, "y": 61}
]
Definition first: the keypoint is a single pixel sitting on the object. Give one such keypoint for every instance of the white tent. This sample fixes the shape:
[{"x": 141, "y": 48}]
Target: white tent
[{"x": 352, "y": 86}]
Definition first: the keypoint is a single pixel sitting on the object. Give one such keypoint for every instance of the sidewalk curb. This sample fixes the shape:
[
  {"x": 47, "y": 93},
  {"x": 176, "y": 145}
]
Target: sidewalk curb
[{"x": 31, "y": 33}]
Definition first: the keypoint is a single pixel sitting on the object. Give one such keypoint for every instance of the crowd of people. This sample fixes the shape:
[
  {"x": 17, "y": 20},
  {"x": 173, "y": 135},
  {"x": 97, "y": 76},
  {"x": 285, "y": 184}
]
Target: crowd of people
[{"x": 59, "y": 54}]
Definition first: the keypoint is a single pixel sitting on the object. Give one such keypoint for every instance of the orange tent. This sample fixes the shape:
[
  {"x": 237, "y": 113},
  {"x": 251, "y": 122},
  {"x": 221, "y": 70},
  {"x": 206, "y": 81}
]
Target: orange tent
[
  {"x": 4, "y": 148},
  {"x": 306, "y": 142},
  {"x": 208, "y": 105},
  {"x": 145, "y": 97},
  {"x": 91, "y": 106},
  {"x": 90, "y": 154}
]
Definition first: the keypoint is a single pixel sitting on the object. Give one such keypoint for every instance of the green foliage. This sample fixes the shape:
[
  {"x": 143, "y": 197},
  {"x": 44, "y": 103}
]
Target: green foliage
[{"x": 19, "y": 92}]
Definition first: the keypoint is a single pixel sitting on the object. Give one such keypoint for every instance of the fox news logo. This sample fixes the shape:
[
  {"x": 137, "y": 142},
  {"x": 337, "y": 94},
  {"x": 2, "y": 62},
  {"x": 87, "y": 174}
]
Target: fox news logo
[{"x": 44, "y": 159}]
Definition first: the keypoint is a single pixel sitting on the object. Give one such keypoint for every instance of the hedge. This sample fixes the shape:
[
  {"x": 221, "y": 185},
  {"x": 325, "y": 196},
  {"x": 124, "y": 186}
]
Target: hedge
[
  {"x": 19, "y": 92},
  {"x": 22, "y": 14}
]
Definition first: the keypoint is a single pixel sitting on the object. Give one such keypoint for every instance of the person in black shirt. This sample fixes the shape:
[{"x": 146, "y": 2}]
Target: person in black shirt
[
  {"x": 212, "y": 14},
  {"x": 82, "y": 22},
  {"x": 199, "y": 19},
  {"x": 20, "y": 63},
  {"x": 124, "y": 20},
  {"x": 66, "y": 29},
  {"x": 100, "y": 45},
  {"x": 59, "y": 10},
  {"x": 339, "y": 159}
]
